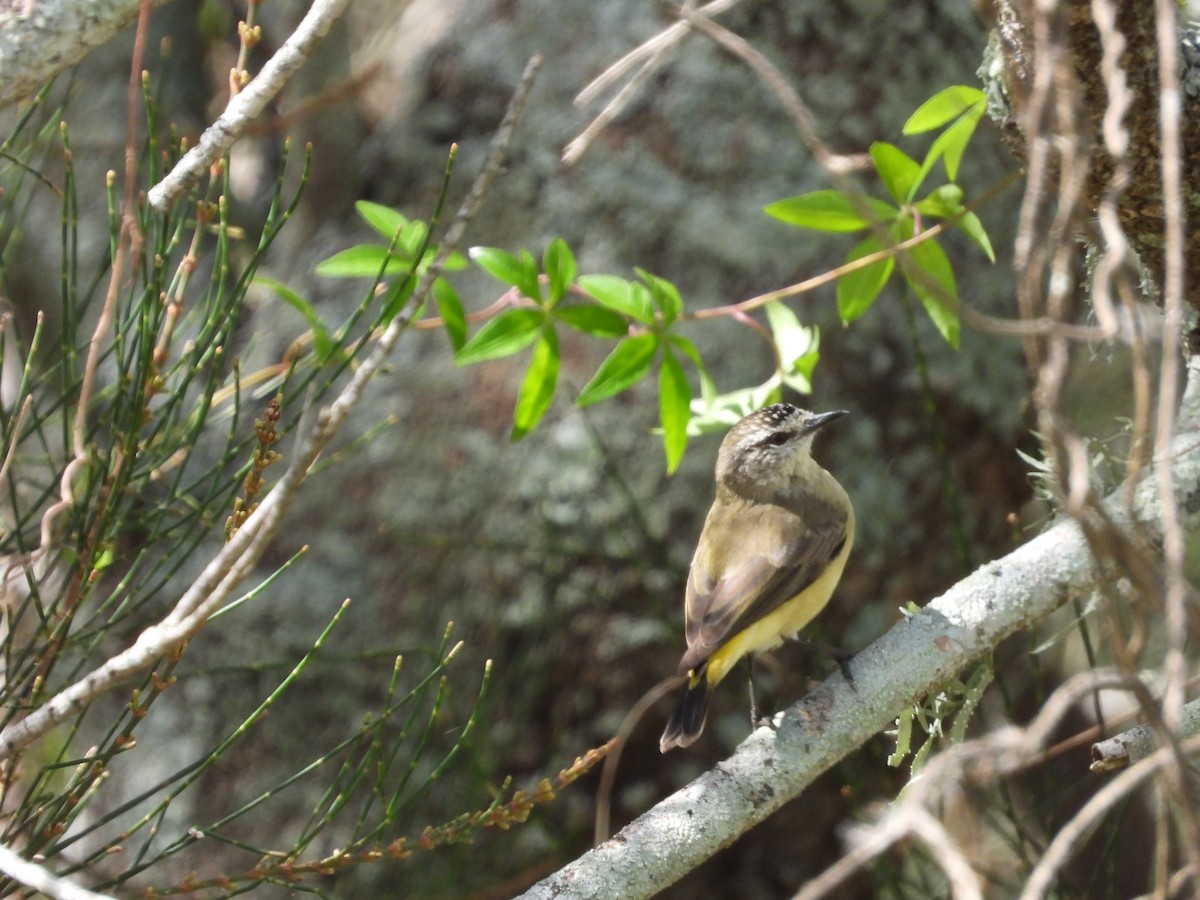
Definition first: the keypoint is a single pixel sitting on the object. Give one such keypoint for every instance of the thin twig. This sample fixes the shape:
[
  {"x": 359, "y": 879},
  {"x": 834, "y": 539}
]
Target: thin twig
[
  {"x": 651, "y": 55},
  {"x": 608, "y": 774},
  {"x": 980, "y": 761},
  {"x": 1178, "y": 591},
  {"x": 1172, "y": 296},
  {"x": 1080, "y": 826},
  {"x": 248, "y": 104}
]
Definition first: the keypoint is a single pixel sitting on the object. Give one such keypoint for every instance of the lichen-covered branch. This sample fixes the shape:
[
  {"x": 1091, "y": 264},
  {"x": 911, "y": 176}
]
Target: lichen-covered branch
[
  {"x": 772, "y": 768},
  {"x": 40, "y": 38}
]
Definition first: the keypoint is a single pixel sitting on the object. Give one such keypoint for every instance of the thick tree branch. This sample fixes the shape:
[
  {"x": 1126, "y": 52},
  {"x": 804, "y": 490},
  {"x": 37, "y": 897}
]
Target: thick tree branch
[
  {"x": 771, "y": 768},
  {"x": 39, "y": 39}
]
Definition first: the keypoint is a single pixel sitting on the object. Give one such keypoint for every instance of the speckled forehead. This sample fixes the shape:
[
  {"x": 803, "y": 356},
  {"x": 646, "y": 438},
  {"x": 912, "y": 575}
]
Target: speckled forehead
[{"x": 778, "y": 414}]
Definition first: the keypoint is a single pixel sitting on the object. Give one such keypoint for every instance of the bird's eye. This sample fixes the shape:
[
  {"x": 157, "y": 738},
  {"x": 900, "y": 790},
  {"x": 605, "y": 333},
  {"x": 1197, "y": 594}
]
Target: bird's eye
[{"x": 778, "y": 438}]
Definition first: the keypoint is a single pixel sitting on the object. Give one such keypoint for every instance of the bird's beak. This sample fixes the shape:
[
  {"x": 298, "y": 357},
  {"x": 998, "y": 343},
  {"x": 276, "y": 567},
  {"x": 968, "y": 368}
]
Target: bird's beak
[{"x": 815, "y": 422}]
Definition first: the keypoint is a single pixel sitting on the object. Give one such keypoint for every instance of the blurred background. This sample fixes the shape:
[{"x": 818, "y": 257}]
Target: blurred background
[{"x": 563, "y": 558}]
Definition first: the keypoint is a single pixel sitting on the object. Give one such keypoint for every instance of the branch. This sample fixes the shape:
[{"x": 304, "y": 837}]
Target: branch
[
  {"x": 771, "y": 768},
  {"x": 47, "y": 36},
  {"x": 247, "y": 105},
  {"x": 41, "y": 879},
  {"x": 1136, "y": 744}
]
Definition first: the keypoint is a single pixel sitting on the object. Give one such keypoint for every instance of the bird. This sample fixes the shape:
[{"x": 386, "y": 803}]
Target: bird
[{"x": 771, "y": 552}]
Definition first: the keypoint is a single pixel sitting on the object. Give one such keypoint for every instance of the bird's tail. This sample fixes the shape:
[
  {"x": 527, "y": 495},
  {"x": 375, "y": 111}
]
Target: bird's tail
[{"x": 691, "y": 709}]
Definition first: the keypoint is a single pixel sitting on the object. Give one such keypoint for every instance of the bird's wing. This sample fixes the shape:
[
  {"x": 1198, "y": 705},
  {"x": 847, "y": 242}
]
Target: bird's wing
[{"x": 752, "y": 585}]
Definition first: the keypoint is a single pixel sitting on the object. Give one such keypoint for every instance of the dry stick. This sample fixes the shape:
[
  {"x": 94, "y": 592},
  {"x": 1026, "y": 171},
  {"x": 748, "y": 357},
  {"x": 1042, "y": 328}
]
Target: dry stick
[
  {"x": 608, "y": 774},
  {"x": 235, "y": 560},
  {"x": 1115, "y": 265},
  {"x": 653, "y": 51},
  {"x": 128, "y": 239},
  {"x": 1138, "y": 743},
  {"x": 247, "y": 105},
  {"x": 982, "y": 760},
  {"x": 1178, "y": 591},
  {"x": 916, "y": 822},
  {"x": 1079, "y": 828},
  {"x": 1172, "y": 185},
  {"x": 1059, "y": 96},
  {"x": 669, "y": 36}
]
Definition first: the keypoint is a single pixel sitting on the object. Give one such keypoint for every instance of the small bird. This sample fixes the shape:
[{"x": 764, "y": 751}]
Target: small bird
[{"x": 771, "y": 553}]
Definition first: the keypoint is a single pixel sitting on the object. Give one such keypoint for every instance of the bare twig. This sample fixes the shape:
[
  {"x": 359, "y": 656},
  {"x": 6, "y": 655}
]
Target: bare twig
[
  {"x": 1177, "y": 589},
  {"x": 1138, "y": 743},
  {"x": 248, "y": 104},
  {"x": 651, "y": 55},
  {"x": 980, "y": 761},
  {"x": 1081, "y": 824},
  {"x": 608, "y": 775}
]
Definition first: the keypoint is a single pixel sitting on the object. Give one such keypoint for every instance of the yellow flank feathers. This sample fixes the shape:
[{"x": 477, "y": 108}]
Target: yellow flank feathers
[
  {"x": 772, "y": 551},
  {"x": 783, "y": 624}
]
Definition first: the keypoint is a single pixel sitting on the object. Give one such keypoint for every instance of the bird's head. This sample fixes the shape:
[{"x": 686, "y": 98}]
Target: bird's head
[{"x": 769, "y": 449}]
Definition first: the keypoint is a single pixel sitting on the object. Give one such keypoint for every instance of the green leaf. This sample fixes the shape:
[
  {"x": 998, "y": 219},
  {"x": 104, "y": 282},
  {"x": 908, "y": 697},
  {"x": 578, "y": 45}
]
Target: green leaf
[
  {"x": 665, "y": 294},
  {"x": 383, "y": 219},
  {"x": 625, "y": 366},
  {"x": 323, "y": 345},
  {"x": 619, "y": 295},
  {"x": 594, "y": 320},
  {"x": 857, "y": 290},
  {"x": 970, "y": 225},
  {"x": 362, "y": 261},
  {"x": 537, "y": 390},
  {"x": 953, "y": 141},
  {"x": 827, "y": 210},
  {"x": 397, "y": 295},
  {"x": 723, "y": 411},
  {"x": 412, "y": 238},
  {"x": 932, "y": 260},
  {"x": 707, "y": 387},
  {"x": 103, "y": 560},
  {"x": 797, "y": 346},
  {"x": 674, "y": 397},
  {"x": 943, "y": 107},
  {"x": 455, "y": 262},
  {"x": 946, "y": 203},
  {"x": 504, "y": 335},
  {"x": 451, "y": 311},
  {"x": 898, "y": 170},
  {"x": 504, "y": 267},
  {"x": 687, "y": 348},
  {"x": 559, "y": 264}
]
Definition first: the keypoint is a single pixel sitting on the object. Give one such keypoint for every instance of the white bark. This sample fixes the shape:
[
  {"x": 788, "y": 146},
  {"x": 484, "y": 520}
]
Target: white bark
[
  {"x": 247, "y": 105},
  {"x": 773, "y": 767},
  {"x": 40, "y": 879},
  {"x": 43, "y": 37},
  {"x": 1134, "y": 745}
]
